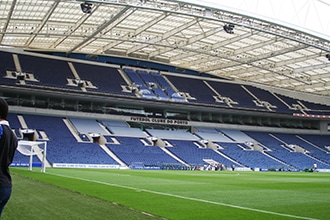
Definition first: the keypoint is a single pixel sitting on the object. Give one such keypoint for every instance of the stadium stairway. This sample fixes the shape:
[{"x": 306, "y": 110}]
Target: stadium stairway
[{"x": 111, "y": 154}]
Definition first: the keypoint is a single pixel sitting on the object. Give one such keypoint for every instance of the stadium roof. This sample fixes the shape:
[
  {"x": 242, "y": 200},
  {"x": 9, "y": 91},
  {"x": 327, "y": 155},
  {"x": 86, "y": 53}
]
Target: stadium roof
[{"x": 214, "y": 37}]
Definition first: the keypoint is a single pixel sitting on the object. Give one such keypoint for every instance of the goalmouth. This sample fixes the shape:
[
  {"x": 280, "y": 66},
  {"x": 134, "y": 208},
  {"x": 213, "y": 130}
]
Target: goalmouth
[{"x": 31, "y": 148}]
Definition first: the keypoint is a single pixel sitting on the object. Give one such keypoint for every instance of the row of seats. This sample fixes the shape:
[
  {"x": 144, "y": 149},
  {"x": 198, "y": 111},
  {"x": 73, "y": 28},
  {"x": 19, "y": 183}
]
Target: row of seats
[
  {"x": 131, "y": 150},
  {"x": 152, "y": 85},
  {"x": 232, "y": 147},
  {"x": 149, "y": 84},
  {"x": 293, "y": 151},
  {"x": 62, "y": 146}
]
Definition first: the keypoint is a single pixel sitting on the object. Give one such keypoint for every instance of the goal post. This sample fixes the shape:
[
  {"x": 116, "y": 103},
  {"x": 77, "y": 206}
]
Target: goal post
[{"x": 32, "y": 148}]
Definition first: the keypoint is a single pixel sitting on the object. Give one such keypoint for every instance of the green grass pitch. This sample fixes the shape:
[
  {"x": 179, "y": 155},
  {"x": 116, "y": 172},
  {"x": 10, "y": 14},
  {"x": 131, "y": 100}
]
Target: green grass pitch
[{"x": 161, "y": 194}]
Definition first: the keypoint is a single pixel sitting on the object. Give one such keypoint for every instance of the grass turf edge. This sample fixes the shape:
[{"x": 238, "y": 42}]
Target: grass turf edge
[{"x": 33, "y": 198}]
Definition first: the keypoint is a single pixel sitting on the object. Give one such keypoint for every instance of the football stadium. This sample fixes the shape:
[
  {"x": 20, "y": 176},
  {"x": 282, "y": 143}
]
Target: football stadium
[{"x": 163, "y": 109}]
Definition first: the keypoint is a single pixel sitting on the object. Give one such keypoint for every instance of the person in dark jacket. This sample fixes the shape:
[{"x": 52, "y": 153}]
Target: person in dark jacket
[{"x": 8, "y": 145}]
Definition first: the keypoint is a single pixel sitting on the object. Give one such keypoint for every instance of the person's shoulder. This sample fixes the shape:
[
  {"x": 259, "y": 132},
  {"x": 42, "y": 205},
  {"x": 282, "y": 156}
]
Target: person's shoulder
[{"x": 5, "y": 129}]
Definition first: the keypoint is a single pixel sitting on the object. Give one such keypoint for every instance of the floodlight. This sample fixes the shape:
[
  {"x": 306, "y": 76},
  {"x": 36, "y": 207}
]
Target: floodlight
[
  {"x": 229, "y": 28},
  {"x": 328, "y": 56},
  {"x": 86, "y": 7}
]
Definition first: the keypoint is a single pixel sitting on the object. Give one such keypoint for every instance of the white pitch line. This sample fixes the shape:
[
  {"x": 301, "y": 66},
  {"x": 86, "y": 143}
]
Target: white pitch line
[{"x": 186, "y": 198}]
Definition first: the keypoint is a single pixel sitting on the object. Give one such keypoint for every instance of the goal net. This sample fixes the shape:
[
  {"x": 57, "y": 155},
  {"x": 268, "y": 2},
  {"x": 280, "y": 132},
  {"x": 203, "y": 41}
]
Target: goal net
[{"x": 34, "y": 148}]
